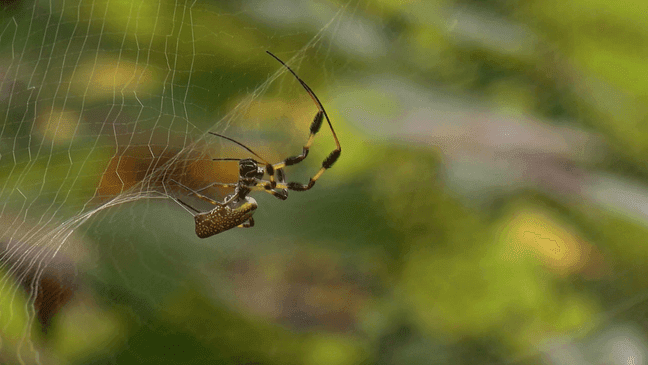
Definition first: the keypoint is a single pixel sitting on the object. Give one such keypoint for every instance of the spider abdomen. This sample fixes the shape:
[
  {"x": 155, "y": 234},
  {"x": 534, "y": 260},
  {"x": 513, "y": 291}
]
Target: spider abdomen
[{"x": 222, "y": 218}]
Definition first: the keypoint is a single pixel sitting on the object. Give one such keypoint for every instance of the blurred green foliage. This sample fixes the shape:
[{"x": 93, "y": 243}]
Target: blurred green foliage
[{"x": 385, "y": 261}]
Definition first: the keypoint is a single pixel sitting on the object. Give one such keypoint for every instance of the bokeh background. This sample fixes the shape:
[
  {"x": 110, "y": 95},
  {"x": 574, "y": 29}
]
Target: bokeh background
[{"x": 490, "y": 204}]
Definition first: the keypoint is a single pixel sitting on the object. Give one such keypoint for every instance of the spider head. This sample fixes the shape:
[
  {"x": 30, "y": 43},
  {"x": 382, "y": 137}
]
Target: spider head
[{"x": 249, "y": 168}]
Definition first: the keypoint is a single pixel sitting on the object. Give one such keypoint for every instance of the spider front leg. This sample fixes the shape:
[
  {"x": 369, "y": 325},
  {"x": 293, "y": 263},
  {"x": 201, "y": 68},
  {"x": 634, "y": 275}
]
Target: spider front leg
[
  {"x": 293, "y": 160},
  {"x": 328, "y": 162},
  {"x": 314, "y": 128},
  {"x": 269, "y": 186}
]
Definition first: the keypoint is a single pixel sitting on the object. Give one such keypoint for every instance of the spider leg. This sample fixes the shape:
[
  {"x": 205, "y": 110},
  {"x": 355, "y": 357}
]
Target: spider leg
[
  {"x": 248, "y": 224},
  {"x": 266, "y": 186},
  {"x": 225, "y": 185},
  {"x": 283, "y": 193},
  {"x": 282, "y": 180},
  {"x": 314, "y": 128},
  {"x": 328, "y": 162},
  {"x": 185, "y": 205},
  {"x": 200, "y": 196}
]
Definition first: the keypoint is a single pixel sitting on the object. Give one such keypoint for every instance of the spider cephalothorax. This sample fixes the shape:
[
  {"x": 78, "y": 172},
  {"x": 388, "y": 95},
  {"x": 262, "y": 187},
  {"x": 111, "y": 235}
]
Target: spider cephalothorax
[
  {"x": 236, "y": 210},
  {"x": 249, "y": 168}
]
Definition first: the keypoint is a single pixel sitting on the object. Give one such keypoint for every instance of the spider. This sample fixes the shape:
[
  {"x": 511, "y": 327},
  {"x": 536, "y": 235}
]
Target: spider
[{"x": 236, "y": 210}]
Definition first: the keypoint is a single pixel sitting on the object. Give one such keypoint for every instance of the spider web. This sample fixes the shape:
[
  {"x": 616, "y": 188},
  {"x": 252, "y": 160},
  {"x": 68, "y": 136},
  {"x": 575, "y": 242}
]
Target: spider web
[
  {"x": 104, "y": 104},
  {"x": 106, "y": 107}
]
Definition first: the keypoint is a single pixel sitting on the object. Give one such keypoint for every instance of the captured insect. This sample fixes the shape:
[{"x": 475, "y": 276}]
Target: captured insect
[{"x": 236, "y": 210}]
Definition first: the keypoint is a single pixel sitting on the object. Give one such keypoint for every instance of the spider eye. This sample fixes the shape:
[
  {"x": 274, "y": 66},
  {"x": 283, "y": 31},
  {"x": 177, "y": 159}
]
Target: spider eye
[{"x": 248, "y": 168}]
